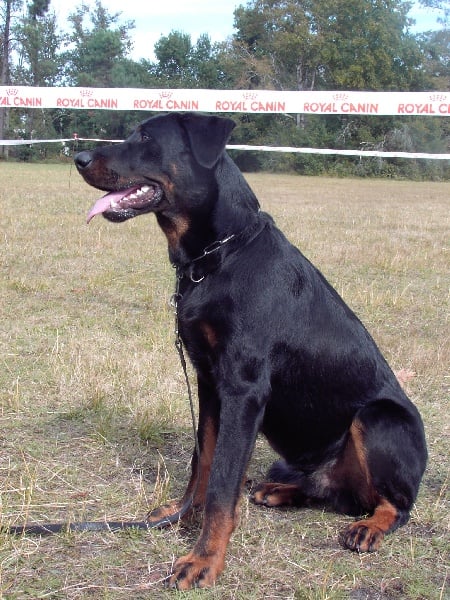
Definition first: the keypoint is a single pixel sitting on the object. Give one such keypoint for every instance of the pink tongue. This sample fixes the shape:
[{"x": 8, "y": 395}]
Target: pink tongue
[{"x": 104, "y": 203}]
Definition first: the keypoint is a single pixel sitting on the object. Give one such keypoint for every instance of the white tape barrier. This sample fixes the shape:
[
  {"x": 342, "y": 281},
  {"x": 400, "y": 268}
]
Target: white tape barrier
[
  {"x": 343, "y": 152},
  {"x": 378, "y": 153},
  {"x": 61, "y": 141},
  {"x": 224, "y": 101}
]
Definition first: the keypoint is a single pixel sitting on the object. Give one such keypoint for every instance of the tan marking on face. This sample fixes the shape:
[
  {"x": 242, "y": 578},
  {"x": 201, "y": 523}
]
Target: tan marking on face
[{"x": 175, "y": 229}]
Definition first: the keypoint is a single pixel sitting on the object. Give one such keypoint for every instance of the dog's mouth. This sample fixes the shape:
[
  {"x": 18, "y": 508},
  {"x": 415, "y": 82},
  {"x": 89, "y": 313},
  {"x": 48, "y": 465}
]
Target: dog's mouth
[{"x": 127, "y": 203}]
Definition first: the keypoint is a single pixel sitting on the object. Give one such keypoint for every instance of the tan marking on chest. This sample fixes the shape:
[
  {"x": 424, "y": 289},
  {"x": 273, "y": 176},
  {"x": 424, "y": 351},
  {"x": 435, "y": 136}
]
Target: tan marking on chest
[{"x": 210, "y": 334}]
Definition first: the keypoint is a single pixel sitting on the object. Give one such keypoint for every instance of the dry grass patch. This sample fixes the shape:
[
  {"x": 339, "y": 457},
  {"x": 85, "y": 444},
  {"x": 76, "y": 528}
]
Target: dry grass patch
[{"x": 93, "y": 409}]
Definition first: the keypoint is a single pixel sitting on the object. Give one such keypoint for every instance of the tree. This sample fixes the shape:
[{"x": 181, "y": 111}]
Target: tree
[
  {"x": 7, "y": 10},
  {"x": 38, "y": 50},
  {"x": 172, "y": 53},
  {"x": 38, "y": 8},
  {"x": 339, "y": 44},
  {"x": 281, "y": 32},
  {"x": 97, "y": 57},
  {"x": 98, "y": 46},
  {"x": 342, "y": 45},
  {"x": 374, "y": 48},
  {"x": 205, "y": 67},
  {"x": 435, "y": 46},
  {"x": 38, "y": 43},
  {"x": 180, "y": 63}
]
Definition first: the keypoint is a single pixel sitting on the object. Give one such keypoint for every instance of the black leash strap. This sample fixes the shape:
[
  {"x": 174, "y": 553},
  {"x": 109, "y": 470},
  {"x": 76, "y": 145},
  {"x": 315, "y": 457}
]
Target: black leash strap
[
  {"x": 54, "y": 528},
  {"x": 179, "y": 346}
]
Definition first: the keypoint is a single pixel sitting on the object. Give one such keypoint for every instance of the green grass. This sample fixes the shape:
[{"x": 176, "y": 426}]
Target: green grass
[{"x": 94, "y": 415}]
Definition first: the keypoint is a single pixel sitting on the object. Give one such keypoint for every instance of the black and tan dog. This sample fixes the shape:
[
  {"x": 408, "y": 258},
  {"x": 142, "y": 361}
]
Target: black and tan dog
[{"x": 276, "y": 350}]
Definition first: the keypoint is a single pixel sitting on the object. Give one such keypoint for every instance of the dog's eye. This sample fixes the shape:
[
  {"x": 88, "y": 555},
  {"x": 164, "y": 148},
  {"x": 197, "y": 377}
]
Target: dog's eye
[{"x": 145, "y": 137}]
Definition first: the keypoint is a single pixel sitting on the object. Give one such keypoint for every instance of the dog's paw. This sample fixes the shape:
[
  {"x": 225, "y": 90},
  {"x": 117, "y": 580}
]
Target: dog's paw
[
  {"x": 165, "y": 514},
  {"x": 275, "y": 494},
  {"x": 266, "y": 494},
  {"x": 193, "y": 570},
  {"x": 362, "y": 536}
]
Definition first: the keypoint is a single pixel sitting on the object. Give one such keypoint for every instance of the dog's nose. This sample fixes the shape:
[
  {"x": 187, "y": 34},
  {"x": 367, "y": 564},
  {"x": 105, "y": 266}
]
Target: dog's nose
[{"x": 83, "y": 159}]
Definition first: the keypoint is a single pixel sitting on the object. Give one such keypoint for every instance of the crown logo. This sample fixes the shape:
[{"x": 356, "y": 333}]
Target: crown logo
[
  {"x": 340, "y": 97},
  {"x": 12, "y": 91},
  {"x": 165, "y": 94},
  {"x": 249, "y": 95},
  {"x": 86, "y": 93},
  {"x": 438, "y": 97}
]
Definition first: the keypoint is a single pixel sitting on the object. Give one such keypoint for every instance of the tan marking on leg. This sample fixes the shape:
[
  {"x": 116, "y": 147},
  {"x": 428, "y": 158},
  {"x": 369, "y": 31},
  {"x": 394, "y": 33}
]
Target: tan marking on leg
[
  {"x": 206, "y": 561},
  {"x": 366, "y": 535},
  {"x": 206, "y": 459},
  {"x": 197, "y": 484},
  {"x": 275, "y": 494},
  {"x": 165, "y": 511},
  {"x": 351, "y": 471},
  {"x": 356, "y": 433}
]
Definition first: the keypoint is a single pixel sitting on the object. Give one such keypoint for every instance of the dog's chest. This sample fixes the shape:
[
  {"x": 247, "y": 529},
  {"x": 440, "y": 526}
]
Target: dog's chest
[{"x": 204, "y": 323}]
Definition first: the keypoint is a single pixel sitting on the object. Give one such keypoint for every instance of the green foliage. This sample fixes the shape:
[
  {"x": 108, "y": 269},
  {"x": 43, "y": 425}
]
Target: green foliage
[
  {"x": 180, "y": 63},
  {"x": 38, "y": 8},
  {"x": 278, "y": 44},
  {"x": 357, "y": 45},
  {"x": 286, "y": 33},
  {"x": 338, "y": 44},
  {"x": 96, "y": 46},
  {"x": 435, "y": 48},
  {"x": 39, "y": 41},
  {"x": 172, "y": 53},
  {"x": 374, "y": 49}
]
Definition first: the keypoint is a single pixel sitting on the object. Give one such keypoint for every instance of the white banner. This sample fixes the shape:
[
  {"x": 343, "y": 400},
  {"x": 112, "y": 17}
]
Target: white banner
[{"x": 228, "y": 101}]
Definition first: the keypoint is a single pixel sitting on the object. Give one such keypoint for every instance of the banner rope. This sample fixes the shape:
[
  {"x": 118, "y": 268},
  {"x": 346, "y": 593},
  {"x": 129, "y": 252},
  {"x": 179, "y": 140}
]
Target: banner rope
[{"x": 286, "y": 149}]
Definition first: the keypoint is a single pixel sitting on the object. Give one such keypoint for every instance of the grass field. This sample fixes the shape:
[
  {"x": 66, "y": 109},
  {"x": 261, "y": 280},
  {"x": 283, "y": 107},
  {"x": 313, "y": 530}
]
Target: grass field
[{"x": 93, "y": 409}]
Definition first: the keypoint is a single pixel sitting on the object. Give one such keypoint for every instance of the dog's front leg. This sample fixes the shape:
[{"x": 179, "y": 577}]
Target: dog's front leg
[
  {"x": 239, "y": 423},
  {"x": 194, "y": 496}
]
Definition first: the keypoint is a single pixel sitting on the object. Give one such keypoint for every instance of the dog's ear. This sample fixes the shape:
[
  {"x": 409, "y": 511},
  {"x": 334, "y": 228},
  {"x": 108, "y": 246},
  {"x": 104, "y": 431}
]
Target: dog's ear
[{"x": 208, "y": 136}]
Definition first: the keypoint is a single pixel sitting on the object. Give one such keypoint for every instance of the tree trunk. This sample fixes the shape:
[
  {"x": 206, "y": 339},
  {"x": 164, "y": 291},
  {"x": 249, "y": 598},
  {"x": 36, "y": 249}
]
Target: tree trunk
[{"x": 4, "y": 75}]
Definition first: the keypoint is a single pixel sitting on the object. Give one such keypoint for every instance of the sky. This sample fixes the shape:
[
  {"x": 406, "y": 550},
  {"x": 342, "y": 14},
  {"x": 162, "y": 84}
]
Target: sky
[{"x": 156, "y": 19}]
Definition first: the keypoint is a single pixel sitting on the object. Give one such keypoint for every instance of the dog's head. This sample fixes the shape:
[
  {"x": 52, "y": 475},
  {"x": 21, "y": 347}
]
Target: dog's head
[{"x": 168, "y": 159}]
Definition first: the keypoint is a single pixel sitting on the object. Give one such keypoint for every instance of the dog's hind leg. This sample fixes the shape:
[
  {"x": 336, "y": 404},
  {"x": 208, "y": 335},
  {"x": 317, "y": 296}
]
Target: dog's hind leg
[
  {"x": 376, "y": 471},
  {"x": 388, "y": 444}
]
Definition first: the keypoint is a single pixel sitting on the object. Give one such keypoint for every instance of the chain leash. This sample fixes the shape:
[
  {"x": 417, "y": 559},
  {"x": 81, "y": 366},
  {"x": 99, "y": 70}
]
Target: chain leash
[{"x": 179, "y": 346}]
